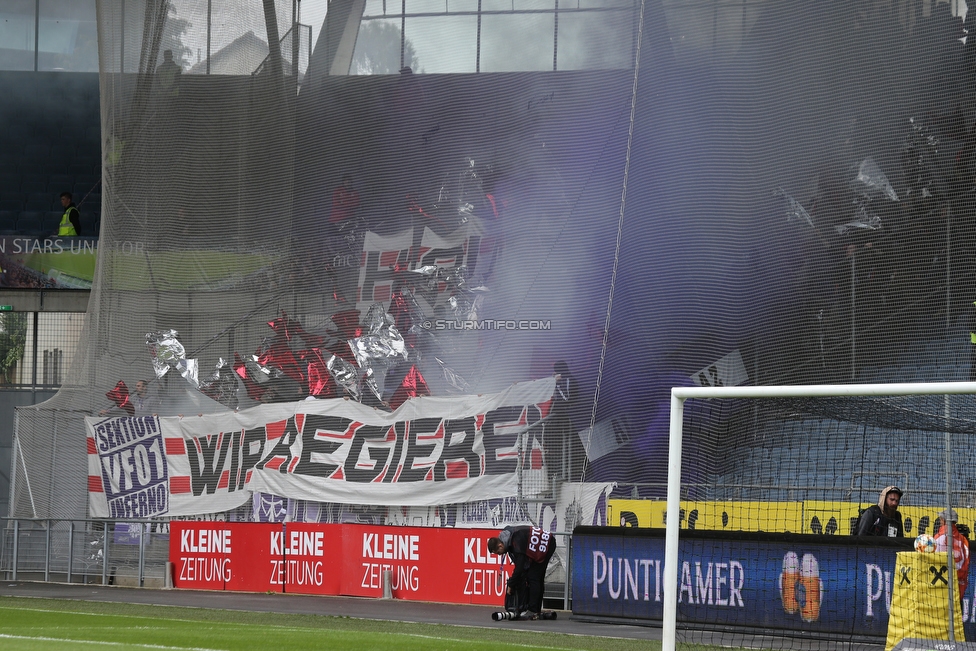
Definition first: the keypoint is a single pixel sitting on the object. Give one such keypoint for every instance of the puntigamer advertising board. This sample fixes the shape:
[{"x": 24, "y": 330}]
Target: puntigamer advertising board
[{"x": 764, "y": 581}]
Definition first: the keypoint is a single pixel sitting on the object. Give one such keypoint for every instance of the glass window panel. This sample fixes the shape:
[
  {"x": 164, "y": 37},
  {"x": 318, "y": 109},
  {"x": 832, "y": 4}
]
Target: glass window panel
[
  {"x": 237, "y": 31},
  {"x": 381, "y": 7},
  {"x": 497, "y": 5},
  {"x": 17, "y": 35},
  {"x": 67, "y": 36},
  {"x": 535, "y": 4},
  {"x": 595, "y": 40},
  {"x": 462, "y": 5},
  {"x": 185, "y": 33},
  {"x": 238, "y": 37},
  {"x": 444, "y": 45},
  {"x": 516, "y": 43},
  {"x": 192, "y": 43},
  {"x": 732, "y": 23},
  {"x": 377, "y": 48},
  {"x": 426, "y": 6},
  {"x": 599, "y": 4},
  {"x": 692, "y": 28},
  {"x": 133, "y": 19}
]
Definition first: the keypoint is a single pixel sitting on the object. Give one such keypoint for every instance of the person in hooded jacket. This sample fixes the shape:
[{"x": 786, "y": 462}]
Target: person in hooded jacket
[{"x": 883, "y": 518}]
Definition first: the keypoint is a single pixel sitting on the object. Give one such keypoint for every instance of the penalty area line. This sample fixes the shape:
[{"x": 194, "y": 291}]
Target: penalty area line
[{"x": 101, "y": 643}]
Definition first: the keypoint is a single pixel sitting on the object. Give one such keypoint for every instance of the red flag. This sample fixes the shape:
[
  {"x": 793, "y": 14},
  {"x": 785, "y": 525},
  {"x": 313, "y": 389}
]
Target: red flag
[
  {"x": 320, "y": 383},
  {"x": 413, "y": 386},
  {"x": 400, "y": 312},
  {"x": 348, "y": 323},
  {"x": 120, "y": 396},
  {"x": 279, "y": 356},
  {"x": 254, "y": 390}
]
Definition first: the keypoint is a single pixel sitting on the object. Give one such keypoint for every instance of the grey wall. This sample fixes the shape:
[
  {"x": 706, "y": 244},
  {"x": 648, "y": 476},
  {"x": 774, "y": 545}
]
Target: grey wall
[{"x": 10, "y": 399}]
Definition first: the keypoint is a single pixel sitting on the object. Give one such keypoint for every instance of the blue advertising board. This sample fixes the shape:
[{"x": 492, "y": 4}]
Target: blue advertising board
[{"x": 815, "y": 584}]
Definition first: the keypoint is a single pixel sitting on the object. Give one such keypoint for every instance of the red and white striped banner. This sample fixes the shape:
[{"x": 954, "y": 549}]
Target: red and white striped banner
[{"x": 430, "y": 451}]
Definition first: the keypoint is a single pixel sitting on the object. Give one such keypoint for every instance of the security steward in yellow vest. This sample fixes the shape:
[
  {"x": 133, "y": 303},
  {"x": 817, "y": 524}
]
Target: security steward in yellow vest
[{"x": 70, "y": 225}]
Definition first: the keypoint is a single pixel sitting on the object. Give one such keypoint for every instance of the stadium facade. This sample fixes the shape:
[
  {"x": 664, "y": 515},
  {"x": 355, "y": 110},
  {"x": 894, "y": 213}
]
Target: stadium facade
[{"x": 674, "y": 193}]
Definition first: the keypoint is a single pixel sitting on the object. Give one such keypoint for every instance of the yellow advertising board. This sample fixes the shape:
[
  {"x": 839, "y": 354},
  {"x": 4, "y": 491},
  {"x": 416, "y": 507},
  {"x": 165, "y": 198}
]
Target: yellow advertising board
[
  {"x": 919, "y": 598},
  {"x": 822, "y": 517}
]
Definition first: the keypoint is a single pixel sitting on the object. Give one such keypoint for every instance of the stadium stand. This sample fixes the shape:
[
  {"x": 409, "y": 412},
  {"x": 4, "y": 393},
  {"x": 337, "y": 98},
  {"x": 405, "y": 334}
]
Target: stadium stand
[
  {"x": 49, "y": 144},
  {"x": 226, "y": 187}
]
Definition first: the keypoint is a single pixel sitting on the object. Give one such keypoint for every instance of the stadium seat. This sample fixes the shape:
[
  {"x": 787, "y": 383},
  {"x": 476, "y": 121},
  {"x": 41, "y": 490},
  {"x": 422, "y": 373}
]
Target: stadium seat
[
  {"x": 13, "y": 205},
  {"x": 887, "y": 374},
  {"x": 34, "y": 222},
  {"x": 8, "y": 222},
  {"x": 93, "y": 202},
  {"x": 908, "y": 373},
  {"x": 79, "y": 168},
  {"x": 58, "y": 183},
  {"x": 953, "y": 373},
  {"x": 9, "y": 181},
  {"x": 868, "y": 374},
  {"x": 34, "y": 184},
  {"x": 37, "y": 151},
  {"x": 40, "y": 201},
  {"x": 87, "y": 180}
]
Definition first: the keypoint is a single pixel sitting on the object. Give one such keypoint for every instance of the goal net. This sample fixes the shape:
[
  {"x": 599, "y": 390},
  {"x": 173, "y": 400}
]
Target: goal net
[{"x": 773, "y": 512}]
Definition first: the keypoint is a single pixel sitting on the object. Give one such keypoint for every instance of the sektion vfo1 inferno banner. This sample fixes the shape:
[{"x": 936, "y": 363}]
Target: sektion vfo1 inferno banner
[
  {"x": 427, "y": 564},
  {"x": 820, "y": 584},
  {"x": 430, "y": 451}
]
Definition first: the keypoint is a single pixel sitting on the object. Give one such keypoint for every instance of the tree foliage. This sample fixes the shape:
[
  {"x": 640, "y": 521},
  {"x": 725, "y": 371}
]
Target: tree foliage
[
  {"x": 378, "y": 50},
  {"x": 173, "y": 31},
  {"x": 13, "y": 337}
]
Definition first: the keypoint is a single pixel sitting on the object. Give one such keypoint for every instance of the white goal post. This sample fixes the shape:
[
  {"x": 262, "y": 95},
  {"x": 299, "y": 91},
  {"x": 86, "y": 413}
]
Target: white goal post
[{"x": 678, "y": 397}]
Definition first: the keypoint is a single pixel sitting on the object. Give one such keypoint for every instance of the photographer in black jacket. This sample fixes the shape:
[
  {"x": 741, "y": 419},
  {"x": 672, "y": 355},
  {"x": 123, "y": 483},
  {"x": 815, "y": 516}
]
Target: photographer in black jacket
[{"x": 530, "y": 549}]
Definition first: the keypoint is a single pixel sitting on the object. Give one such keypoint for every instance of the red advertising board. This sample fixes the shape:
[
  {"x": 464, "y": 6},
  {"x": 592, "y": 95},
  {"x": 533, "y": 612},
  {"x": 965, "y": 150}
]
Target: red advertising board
[
  {"x": 219, "y": 555},
  {"x": 308, "y": 558},
  {"x": 445, "y": 565}
]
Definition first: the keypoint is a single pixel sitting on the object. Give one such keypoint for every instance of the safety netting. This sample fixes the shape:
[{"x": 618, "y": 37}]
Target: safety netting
[{"x": 349, "y": 264}]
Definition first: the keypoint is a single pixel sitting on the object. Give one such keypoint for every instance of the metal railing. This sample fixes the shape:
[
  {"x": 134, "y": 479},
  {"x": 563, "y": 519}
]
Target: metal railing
[{"x": 132, "y": 553}]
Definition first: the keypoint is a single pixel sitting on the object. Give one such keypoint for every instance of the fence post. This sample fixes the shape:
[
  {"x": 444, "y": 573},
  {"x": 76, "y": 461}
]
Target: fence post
[
  {"x": 569, "y": 571},
  {"x": 71, "y": 547},
  {"x": 16, "y": 542},
  {"x": 47, "y": 551},
  {"x": 142, "y": 554},
  {"x": 105, "y": 553}
]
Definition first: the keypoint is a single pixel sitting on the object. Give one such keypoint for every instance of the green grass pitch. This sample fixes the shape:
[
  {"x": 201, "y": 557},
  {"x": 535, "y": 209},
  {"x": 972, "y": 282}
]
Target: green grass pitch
[{"x": 48, "y": 624}]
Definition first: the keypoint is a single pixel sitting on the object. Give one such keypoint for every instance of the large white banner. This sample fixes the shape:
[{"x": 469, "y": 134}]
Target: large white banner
[{"x": 430, "y": 451}]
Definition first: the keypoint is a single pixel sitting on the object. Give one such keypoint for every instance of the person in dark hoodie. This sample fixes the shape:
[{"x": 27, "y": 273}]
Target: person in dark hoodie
[{"x": 883, "y": 518}]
